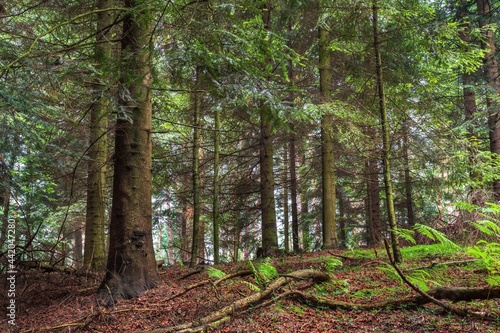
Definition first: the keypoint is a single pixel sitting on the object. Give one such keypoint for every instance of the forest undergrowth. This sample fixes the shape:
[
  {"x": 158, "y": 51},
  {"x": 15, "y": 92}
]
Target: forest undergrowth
[{"x": 329, "y": 291}]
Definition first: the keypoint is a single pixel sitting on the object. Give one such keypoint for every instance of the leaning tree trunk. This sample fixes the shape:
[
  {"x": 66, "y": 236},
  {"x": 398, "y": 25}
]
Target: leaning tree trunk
[
  {"x": 385, "y": 140},
  {"x": 493, "y": 79},
  {"x": 131, "y": 265},
  {"x": 95, "y": 249},
  {"x": 330, "y": 238}
]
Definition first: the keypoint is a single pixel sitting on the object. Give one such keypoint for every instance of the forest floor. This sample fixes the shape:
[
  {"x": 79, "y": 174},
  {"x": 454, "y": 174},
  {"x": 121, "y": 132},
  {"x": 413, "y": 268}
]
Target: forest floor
[{"x": 65, "y": 302}]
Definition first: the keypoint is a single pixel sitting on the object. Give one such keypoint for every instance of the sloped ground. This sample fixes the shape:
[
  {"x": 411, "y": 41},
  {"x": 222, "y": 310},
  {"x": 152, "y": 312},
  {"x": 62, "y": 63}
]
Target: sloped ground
[{"x": 59, "y": 302}]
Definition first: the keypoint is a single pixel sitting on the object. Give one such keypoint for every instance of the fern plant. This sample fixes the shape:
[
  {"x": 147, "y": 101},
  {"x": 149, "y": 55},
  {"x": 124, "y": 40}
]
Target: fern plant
[
  {"x": 488, "y": 251},
  {"x": 215, "y": 273},
  {"x": 263, "y": 272}
]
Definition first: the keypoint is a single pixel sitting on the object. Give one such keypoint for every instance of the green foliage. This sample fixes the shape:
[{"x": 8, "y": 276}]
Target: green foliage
[
  {"x": 332, "y": 288},
  {"x": 428, "y": 250},
  {"x": 215, "y": 273},
  {"x": 487, "y": 249},
  {"x": 429, "y": 232},
  {"x": 330, "y": 263},
  {"x": 420, "y": 279},
  {"x": 264, "y": 272},
  {"x": 435, "y": 235},
  {"x": 391, "y": 272}
]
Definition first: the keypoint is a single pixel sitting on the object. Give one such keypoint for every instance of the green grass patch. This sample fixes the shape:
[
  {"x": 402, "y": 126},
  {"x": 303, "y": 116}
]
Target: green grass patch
[{"x": 431, "y": 250}]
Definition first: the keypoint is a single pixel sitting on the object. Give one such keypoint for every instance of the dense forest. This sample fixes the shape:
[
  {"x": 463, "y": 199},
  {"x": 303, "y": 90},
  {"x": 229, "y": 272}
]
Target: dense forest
[{"x": 140, "y": 133}]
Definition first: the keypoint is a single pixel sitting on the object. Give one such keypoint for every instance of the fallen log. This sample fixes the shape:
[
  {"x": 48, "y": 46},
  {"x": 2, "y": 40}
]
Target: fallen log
[{"x": 223, "y": 314}]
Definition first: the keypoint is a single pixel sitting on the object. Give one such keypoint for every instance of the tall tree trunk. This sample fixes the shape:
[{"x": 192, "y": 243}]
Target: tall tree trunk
[
  {"x": 269, "y": 229},
  {"x": 330, "y": 238},
  {"x": 386, "y": 148},
  {"x": 410, "y": 215},
  {"x": 491, "y": 73},
  {"x": 95, "y": 249},
  {"x": 470, "y": 107},
  {"x": 293, "y": 192},
  {"x": 286, "y": 215},
  {"x": 197, "y": 232},
  {"x": 216, "y": 188},
  {"x": 131, "y": 265}
]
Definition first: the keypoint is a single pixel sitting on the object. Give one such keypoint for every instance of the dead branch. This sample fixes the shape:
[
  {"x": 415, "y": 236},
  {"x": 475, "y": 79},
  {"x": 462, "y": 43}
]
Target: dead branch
[
  {"x": 206, "y": 282},
  {"x": 225, "y": 313}
]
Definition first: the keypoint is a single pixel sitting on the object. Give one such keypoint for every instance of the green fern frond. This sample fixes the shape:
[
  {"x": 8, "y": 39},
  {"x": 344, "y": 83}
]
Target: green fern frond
[
  {"x": 252, "y": 286},
  {"x": 487, "y": 227},
  {"x": 215, "y": 273},
  {"x": 406, "y": 234},
  {"x": 435, "y": 235},
  {"x": 267, "y": 271},
  {"x": 391, "y": 272}
]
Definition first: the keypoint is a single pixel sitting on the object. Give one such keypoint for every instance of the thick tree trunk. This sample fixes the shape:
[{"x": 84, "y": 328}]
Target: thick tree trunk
[
  {"x": 386, "y": 148},
  {"x": 269, "y": 230},
  {"x": 131, "y": 265},
  {"x": 330, "y": 238},
  {"x": 95, "y": 250},
  {"x": 493, "y": 80}
]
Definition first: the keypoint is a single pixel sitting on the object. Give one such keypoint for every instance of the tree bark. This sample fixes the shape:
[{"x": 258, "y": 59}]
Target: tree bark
[
  {"x": 293, "y": 192},
  {"x": 197, "y": 233},
  {"x": 269, "y": 230},
  {"x": 342, "y": 220},
  {"x": 286, "y": 211},
  {"x": 131, "y": 265},
  {"x": 329, "y": 228},
  {"x": 493, "y": 80},
  {"x": 374, "y": 228},
  {"x": 216, "y": 189},
  {"x": 95, "y": 248},
  {"x": 410, "y": 215},
  {"x": 386, "y": 148}
]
